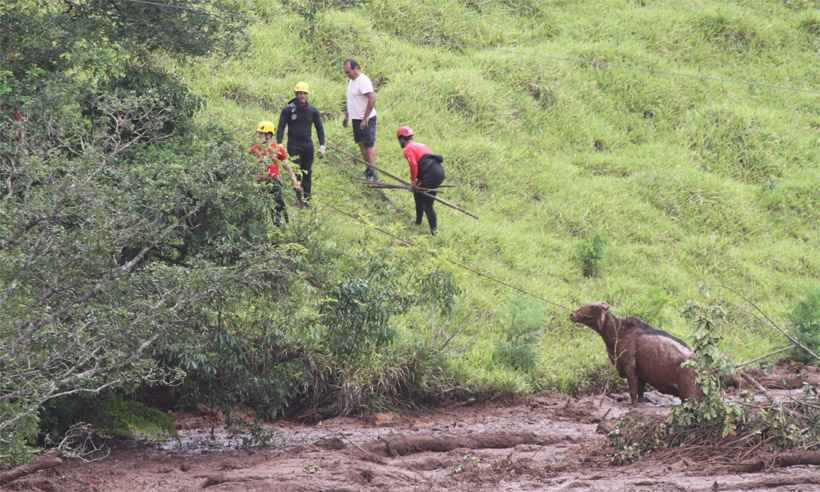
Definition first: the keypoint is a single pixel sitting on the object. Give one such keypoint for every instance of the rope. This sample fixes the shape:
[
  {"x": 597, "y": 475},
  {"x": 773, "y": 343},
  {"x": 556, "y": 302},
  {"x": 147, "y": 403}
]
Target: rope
[
  {"x": 367, "y": 224},
  {"x": 448, "y": 260},
  {"x": 406, "y": 242}
]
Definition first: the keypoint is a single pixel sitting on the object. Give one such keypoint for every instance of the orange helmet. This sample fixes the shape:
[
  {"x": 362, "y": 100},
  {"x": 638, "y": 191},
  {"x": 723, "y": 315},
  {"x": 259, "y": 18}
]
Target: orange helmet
[{"x": 404, "y": 131}]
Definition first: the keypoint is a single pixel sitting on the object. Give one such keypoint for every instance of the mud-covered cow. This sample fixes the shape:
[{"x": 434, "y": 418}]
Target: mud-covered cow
[{"x": 641, "y": 353}]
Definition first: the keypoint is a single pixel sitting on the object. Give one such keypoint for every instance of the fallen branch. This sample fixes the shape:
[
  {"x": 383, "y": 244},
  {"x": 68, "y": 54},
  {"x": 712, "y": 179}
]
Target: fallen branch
[
  {"x": 380, "y": 185},
  {"x": 781, "y": 461},
  {"x": 212, "y": 480},
  {"x": 769, "y": 483},
  {"x": 43, "y": 462},
  {"x": 395, "y": 445}
]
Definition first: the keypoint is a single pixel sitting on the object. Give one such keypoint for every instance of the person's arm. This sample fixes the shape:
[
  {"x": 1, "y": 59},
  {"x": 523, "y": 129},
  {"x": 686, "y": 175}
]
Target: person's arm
[
  {"x": 347, "y": 115},
  {"x": 371, "y": 101},
  {"x": 414, "y": 167},
  {"x": 282, "y": 155},
  {"x": 280, "y": 129},
  {"x": 320, "y": 130},
  {"x": 293, "y": 180}
]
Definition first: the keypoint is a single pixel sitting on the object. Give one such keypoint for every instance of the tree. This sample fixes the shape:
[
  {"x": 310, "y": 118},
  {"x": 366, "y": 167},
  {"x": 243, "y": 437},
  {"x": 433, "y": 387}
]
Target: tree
[{"x": 121, "y": 222}]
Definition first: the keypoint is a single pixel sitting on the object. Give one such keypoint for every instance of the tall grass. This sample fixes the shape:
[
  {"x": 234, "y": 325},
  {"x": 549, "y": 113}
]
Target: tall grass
[{"x": 559, "y": 120}]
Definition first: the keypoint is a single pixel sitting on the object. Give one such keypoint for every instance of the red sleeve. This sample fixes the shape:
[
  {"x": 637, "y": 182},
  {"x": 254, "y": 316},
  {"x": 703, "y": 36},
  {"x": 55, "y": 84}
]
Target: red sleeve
[
  {"x": 413, "y": 163},
  {"x": 281, "y": 153}
]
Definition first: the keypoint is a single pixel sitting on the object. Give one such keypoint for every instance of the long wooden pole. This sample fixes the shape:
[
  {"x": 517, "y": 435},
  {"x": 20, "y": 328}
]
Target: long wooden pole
[{"x": 393, "y": 176}]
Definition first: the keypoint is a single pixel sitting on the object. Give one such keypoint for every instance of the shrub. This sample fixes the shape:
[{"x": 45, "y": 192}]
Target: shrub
[
  {"x": 589, "y": 254},
  {"x": 523, "y": 322},
  {"x": 111, "y": 415},
  {"x": 440, "y": 289},
  {"x": 805, "y": 319},
  {"x": 357, "y": 313}
]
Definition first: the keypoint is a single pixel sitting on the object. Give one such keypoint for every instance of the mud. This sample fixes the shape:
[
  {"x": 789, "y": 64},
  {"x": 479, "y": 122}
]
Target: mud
[{"x": 545, "y": 442}]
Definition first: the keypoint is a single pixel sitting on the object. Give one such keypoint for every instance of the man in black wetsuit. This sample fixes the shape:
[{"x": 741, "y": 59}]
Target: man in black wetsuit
[{"x": 299, "y": 116}]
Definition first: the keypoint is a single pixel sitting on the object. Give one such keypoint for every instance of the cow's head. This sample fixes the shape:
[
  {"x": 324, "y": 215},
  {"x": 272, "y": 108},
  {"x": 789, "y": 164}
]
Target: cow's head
[{"x": 592, "y": 315}]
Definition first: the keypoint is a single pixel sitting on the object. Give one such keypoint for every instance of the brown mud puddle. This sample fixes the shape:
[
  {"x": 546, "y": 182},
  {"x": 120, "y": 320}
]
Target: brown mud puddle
[{"x": 544, "y": 442}]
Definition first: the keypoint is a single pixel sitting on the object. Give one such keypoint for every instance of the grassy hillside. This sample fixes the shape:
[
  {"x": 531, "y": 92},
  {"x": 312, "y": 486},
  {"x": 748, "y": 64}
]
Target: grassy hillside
[{"x": 682, "y": 133}]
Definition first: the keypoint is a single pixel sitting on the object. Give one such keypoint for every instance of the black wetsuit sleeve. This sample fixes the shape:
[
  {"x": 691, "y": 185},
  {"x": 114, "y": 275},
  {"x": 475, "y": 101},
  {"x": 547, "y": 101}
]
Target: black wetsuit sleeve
[
  {"x": 320, "y": 130},
  {"x": 280, "y": 128}
]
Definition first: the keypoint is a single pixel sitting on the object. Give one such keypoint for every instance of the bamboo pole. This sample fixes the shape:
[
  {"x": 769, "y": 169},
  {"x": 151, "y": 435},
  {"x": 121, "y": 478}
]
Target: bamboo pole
[{"x": 393, "y": 176}]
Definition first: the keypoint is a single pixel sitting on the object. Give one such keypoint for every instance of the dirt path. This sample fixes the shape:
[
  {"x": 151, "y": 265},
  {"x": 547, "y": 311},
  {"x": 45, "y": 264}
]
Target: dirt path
[{"x": 546, "y": 442}]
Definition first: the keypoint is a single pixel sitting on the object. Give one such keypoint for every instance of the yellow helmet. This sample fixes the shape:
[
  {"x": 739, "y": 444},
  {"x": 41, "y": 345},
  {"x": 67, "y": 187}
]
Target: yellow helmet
[
  {"x": 266, "y": 127},
  {"x": 302, "y": 87}
]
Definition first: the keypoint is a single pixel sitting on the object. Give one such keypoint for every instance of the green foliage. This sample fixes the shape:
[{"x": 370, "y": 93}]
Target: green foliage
[
  {"x": 121, "y": 218},
  {"x": 590, "y": 253},
  {"x": 133, "y": 420},
  {"x": 226, "y": 368},
  {"x": 19, "y": 444},
  {"x": 440, "y": 289},
  {"x": 712, "y": 411},
  {"x": 111, "y": 416},
  {"x": 357, "y": 313},
  {"x": 523, "y": 322},
  {"x": 805, "y": 321}
]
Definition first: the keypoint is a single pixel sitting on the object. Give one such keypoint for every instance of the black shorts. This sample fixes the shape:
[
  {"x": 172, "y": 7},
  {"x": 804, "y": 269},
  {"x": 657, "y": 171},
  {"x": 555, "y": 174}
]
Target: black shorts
[{"x": 367, "y": 135}]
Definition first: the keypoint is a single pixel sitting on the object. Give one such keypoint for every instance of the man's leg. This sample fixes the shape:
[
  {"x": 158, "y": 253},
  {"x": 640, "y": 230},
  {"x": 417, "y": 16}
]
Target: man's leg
[
  {"x": 306, "y": 164},
  {"x": 370, "y": 146},
  {"x": 419, "y": 207},
  {"x": 370, "y": 153},
  {"x": 432, "y": 220},
  {"x": 279, "y": 210},
  {"x": 360, "y": 137}
]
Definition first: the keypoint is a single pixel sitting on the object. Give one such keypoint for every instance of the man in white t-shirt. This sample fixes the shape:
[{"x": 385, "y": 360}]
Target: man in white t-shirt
[{"x": 361, "y": 99}]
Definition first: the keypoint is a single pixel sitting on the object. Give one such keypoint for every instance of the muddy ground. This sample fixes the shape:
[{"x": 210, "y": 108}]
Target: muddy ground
[{"x": 544, "y": 442}]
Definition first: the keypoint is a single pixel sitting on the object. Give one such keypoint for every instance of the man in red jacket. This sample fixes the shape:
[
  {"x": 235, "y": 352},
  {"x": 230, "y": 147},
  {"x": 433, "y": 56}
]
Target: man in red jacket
[
  {"x": 426, "y": 174},
  {"x": 269, "y": 154}
]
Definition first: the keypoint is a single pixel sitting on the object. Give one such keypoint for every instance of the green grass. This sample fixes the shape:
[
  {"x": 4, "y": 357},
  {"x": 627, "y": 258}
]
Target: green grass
[{"x": 560, "y": 120}]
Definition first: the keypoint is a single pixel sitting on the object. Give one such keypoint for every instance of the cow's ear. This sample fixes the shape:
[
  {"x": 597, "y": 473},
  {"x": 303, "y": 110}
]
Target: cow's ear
[{"x": 605, "y": 306}]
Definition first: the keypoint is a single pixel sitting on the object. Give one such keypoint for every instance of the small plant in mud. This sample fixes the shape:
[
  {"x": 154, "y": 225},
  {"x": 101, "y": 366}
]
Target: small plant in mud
[
  {"x": 312, "y": 468},
  {"x": 805, "y": 320},
  {"x": 468, "y": 462},
  {"x": 252, "y": 433}
]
